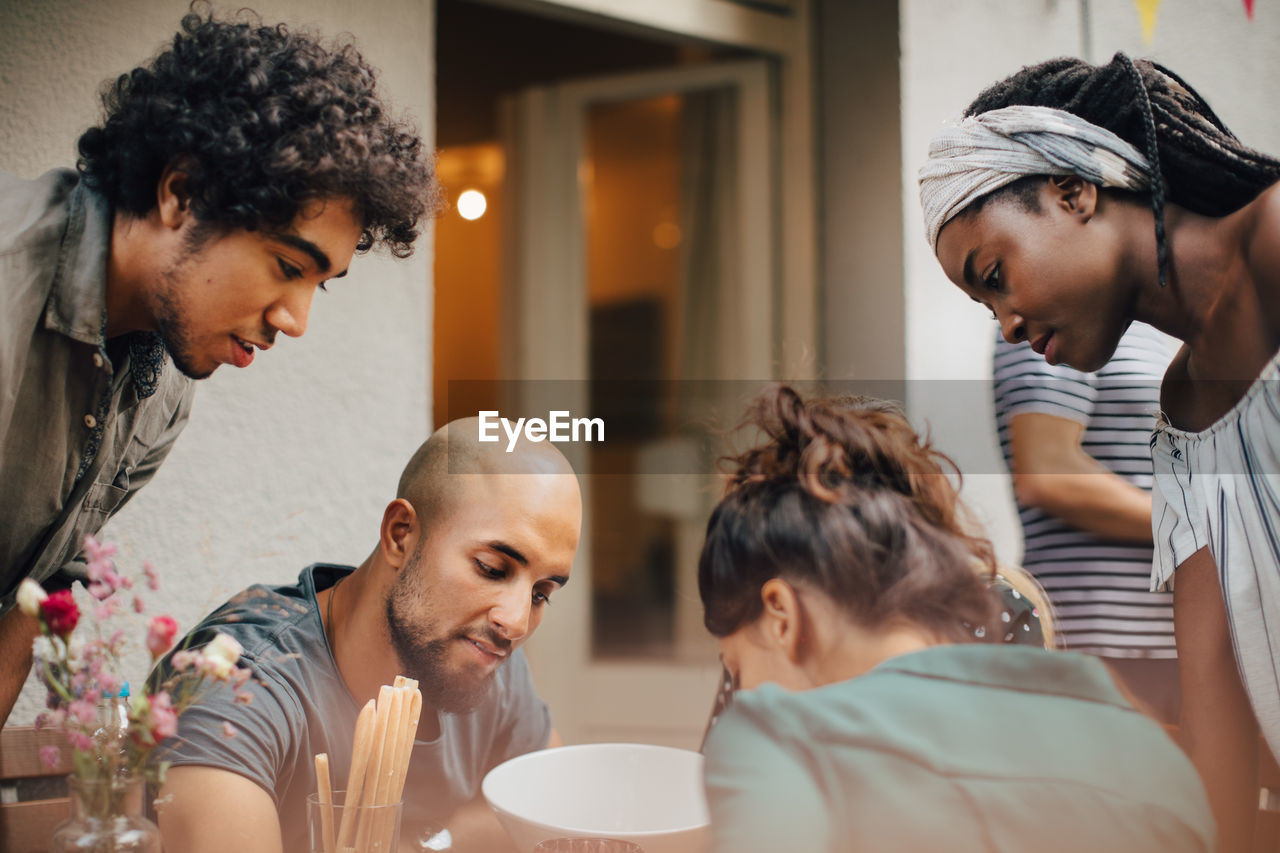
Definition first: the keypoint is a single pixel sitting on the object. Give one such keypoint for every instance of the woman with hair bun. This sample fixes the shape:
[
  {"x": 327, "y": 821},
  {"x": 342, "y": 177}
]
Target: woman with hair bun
[
  {"x": 1075, "y": 199},
  {"x": 839, "y": 578}
]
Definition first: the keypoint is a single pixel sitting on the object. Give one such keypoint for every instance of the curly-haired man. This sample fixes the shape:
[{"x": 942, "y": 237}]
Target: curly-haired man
[{"x": 231, "y": 176}]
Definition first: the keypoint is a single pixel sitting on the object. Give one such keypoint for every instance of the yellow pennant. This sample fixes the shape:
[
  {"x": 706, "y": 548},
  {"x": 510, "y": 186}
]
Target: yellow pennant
[{"x": 1147, "y": 11}]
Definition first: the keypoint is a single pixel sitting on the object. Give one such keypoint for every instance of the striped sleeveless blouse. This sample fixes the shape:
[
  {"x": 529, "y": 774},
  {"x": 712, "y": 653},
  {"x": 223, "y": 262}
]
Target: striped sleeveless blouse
[
  {"x": 1099, "y": 588},
  {"x": 1220, "y": 488}
]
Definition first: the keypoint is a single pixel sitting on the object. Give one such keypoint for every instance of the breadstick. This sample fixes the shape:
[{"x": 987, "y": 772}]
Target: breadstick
[
  {"x": 378, "y": 755},
  {"x": 324, "y": 792},
  {"x": 360, "y": 751},
  {"x": 390, "y": 767},
  {"x": 413, "y": 711}
]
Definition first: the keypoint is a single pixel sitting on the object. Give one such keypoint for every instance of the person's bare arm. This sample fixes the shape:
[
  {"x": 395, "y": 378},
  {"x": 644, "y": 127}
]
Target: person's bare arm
[
  {"x": 17, "y": 632},
  {"x": 1052, "y": 472},
  {"x": 1218, "y": 729},
  {"x": 209, "y": 810}
]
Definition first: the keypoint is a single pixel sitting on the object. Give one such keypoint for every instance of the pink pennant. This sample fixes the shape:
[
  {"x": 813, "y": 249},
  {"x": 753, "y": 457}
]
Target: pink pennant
[{"x": 1248, "y": 8}]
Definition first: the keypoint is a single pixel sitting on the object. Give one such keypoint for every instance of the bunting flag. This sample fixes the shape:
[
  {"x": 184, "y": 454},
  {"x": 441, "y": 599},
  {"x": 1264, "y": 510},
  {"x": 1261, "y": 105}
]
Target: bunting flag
[
  {"x": 1147, "y": 11},
  {"x": 1248, "y": 8}
]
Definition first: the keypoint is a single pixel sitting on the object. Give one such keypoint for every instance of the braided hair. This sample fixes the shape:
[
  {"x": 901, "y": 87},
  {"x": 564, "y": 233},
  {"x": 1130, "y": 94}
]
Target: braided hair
[{"x": 1199, "y": 163}]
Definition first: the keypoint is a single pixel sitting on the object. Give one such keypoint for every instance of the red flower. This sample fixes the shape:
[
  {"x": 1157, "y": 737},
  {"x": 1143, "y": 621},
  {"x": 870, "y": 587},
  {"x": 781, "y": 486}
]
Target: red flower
[
  {"x": 60, "y": 613},
  {"x": 164, "y": 719},
  {"x": 160, "y": 635}
]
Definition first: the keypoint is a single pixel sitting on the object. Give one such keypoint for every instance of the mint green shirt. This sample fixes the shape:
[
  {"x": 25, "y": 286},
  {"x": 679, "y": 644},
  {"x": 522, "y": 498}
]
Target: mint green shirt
[{"x": 958, "y": 748}]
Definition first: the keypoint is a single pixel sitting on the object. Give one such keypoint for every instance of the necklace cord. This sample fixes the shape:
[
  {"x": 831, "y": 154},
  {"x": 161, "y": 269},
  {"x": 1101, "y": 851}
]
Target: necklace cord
[{"x": 330, "y": 630}]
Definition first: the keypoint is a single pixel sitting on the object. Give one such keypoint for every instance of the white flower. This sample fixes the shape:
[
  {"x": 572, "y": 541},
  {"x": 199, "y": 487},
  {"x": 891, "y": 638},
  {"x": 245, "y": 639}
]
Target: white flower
[
  {"x": 221, "y": 655},
  {"x": 30, "y": 594},
  {"x": 75, "y": 649},
  {"x": 43, "y": 649}
]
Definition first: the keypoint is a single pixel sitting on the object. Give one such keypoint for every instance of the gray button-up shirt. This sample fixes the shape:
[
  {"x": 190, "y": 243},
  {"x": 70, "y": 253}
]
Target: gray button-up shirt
[{"x": 84, "y": 422}]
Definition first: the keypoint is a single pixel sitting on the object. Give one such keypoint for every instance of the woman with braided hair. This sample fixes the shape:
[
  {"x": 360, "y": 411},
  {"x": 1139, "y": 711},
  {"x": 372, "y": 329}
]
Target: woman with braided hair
[
  {"x": 1073, "y": 200},
  {"x": 839, "y": 578}
]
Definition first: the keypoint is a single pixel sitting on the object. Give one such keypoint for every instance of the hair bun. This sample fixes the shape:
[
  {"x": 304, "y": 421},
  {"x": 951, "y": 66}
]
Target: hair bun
[{"x": 840, "y": 448}]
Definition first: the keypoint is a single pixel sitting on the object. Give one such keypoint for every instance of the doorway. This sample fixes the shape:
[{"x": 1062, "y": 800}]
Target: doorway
[
  {"x": 625, "y": 246},
  {"x": 484, "y": 54}
]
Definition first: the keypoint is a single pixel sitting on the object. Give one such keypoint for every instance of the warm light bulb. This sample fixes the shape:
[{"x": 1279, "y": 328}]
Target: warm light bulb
[
  {"x": 472, "y": 204},
  {"x": 666, "y": 235}
]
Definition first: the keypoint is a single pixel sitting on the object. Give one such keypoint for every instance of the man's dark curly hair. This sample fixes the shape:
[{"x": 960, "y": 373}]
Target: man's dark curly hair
[{"x": 263, "y": 120}]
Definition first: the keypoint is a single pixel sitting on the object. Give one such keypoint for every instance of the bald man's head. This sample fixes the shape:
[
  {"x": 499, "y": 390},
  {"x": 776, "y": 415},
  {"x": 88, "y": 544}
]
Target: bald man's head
[
  {"x": 495, "y": 537},
  {"x": 454, "y": 456}
]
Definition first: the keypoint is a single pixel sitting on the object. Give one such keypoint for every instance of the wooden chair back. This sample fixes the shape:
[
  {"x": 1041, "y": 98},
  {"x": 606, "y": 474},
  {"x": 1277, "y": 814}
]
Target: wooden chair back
[{"x": 26, "y": 826}]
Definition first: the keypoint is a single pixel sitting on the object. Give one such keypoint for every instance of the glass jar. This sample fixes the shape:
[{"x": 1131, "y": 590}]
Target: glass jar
[{"x": 106, "y": 817}]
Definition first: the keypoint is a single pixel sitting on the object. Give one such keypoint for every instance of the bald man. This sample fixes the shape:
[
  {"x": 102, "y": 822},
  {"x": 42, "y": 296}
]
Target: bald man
[{"x": 468, "y": 554}]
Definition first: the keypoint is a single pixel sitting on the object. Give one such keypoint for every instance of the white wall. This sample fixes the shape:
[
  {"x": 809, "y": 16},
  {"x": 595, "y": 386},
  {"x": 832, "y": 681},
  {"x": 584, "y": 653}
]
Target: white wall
[
  {"x": 860, "y": 162},
  {"x": 950, "y": 52},
  {"x": 291, "y": 460}
]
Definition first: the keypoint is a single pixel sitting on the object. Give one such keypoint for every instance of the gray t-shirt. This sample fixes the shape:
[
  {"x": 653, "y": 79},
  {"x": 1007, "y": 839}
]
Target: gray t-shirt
[{"x": 301, "y": 707}]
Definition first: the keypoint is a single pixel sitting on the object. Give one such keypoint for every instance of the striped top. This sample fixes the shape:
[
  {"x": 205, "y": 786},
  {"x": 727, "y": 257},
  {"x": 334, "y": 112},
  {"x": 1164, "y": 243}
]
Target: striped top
[
  {"x": 1099, "y": 588},
  {"x": 1220, "y": 488}
]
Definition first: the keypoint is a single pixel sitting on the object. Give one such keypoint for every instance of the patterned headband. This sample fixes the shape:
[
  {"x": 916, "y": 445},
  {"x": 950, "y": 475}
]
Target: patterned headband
[{"x": 991, "y": 150}]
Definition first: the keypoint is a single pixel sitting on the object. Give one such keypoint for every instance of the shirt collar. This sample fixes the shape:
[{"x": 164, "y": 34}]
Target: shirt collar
[
  {"x": 1008, "y": 667},
  {"x": 77, "y": 305}
]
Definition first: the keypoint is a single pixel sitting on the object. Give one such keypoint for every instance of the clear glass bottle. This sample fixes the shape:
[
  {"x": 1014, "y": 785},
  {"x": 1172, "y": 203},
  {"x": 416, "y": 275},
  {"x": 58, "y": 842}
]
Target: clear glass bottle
[
  {"x": 106, "y": 817},
  {"x": 111, "y": 736}
]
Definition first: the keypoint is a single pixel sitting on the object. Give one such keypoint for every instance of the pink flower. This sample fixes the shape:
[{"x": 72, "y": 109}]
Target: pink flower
[
  {"x": 103, "y": 577},
  {"x": 183, "y": 659},
  {"x": 83, "y": 711},
  {"x": 153, "y": 577},
  {"x": 50, "y": 719},
  {"x": 228, "y": 730},
  {"x": 108, "y": 682},
  {"x": 80, "y": 682},
  {"x": 60, "y": 613},
  {"x": 51, "y": 756},
  {"x": 160, "y": 635},
  {"x": 80, "y": 740},
  {"x": 107, "y": 609},
  {"x": 97, "y": 551},
  {"x": 138, "y": 604},
  {"x": 164, "y": 720}
]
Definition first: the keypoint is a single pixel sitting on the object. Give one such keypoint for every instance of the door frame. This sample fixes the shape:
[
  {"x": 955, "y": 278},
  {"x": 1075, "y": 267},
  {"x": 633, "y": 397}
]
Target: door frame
[
  {"x": 788, "y": 39},
  {"x": 545, "y": 316}
]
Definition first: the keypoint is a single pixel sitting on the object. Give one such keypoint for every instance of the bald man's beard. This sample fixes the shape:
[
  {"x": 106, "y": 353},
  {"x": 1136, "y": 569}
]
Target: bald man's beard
[{"x": 426, "y": 660}]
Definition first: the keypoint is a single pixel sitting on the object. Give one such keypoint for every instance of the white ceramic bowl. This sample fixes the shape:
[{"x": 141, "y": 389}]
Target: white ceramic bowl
[{"x": 650, "y": 795}]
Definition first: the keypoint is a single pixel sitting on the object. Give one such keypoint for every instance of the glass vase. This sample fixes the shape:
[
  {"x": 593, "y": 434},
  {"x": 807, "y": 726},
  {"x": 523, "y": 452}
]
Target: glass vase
[{"x": 106, "y": 817}]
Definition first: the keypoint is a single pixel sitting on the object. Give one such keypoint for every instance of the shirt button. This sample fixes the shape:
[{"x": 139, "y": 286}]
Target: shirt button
[
  {"x": 90, "y": 421},
  {"x": 97, "y": 359}
]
